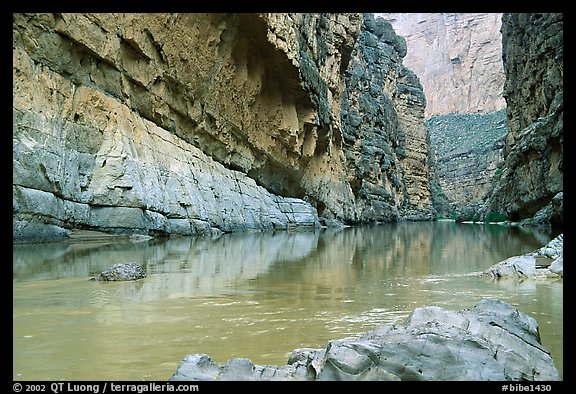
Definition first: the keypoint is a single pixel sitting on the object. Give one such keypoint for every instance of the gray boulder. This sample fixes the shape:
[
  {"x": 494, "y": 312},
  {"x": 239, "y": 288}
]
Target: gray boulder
[
  {"x": 525, "y": 266},
  {"x": 122, "y": 272},
  {"x": 557, "y": 266},
  {"x": 516, "y": 266},
  {"x": 491, "y": 341},
  {"x": 552, "y": 249}
]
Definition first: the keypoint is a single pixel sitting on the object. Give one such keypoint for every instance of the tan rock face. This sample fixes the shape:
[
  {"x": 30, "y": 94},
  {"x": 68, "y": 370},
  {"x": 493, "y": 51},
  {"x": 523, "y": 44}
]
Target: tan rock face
[
  {"x": 87, "y": 160},
  {"x": 181, "y": 123},
  {"x": 458, "y": 58}
]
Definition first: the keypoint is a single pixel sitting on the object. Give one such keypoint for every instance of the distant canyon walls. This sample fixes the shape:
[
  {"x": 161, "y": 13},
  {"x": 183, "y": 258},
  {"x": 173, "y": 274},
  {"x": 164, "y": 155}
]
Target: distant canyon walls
[
  {"x": 201, "y": 123},
  {"x": 458, "y": 58},
  {"x": 467, "y": 154},
  {"x": 532, "y": 173},
  {"x": 480, "y": 71}
]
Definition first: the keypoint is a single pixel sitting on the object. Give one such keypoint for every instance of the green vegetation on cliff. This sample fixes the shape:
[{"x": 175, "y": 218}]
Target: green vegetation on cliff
[
  {"x": 466, "y": 150},
  {"x": 457, "y": 134}
]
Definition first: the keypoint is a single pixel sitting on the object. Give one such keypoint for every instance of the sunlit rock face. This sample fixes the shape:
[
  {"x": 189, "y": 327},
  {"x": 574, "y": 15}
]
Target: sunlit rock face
[
  {"x": 458, "y": 58},
  {"x": 167, "y": 123},
  {"x": 194, "y": 123},
  {"x": 533, "y": 163}
]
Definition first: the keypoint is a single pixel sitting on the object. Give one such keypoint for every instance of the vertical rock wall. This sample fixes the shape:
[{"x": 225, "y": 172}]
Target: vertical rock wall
[
  {"x": 458, "y": 58},
  {"x": 468, "y": 151},
  {"x": 187, "y": 123},
  {"x": 533, "y": 53},
  {"x": 385, "y": 138}
]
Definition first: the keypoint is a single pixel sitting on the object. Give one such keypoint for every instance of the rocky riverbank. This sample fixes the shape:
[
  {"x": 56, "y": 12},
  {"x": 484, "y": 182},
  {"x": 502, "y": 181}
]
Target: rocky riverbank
[
  {"x": 546, "y": 262},
  {"x": 491, "y": 341},
  {"x": 116, "y": 128}
]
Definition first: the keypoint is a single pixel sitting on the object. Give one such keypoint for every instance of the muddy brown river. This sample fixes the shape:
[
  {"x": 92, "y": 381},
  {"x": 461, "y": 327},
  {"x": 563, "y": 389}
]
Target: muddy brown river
[{"x": 255, "y": 295}]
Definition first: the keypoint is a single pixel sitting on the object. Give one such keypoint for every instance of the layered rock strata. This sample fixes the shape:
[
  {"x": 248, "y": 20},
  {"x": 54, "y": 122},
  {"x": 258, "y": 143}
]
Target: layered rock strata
[
  {"x": 385, "y": 138},
  {"x": 532, "y": 173},
  {"x": 457, "y": 57},
  {"x": 468, "y": 151},
  {"x": 491, "y": 341},
  {"x": 190, "y": 124},
  {"x": 130, "y": 122}
]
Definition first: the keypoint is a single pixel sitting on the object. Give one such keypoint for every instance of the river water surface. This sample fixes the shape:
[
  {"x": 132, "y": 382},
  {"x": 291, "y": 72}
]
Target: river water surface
[{"x": 256, "y": 295}]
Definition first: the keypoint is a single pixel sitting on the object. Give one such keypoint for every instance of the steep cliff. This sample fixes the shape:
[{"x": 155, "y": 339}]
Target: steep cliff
[
  {"x": 458, "y": 58},
  {"x": 385, "y": 137},
  {"x": 468, "y": 151},
  {"x": 532, "y": 172},
  {"x": 185, "y": 123}
]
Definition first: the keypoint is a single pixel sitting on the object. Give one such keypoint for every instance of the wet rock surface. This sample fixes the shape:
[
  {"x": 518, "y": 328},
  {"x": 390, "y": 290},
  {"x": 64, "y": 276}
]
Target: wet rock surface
[
  {"x": 122, "y": 272},
  {"x": 528, "y": 266},
  {"x": 491, "y": 341}
]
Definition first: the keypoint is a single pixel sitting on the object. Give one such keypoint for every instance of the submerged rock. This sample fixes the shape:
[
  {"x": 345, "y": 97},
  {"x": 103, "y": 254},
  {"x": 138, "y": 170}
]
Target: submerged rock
[
  {"x": 491, "y": 341},
  {"x": 121, "y": 272}
]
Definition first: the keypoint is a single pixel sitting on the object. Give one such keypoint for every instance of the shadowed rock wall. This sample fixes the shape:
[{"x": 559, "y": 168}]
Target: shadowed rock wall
[
  {"x": 385, "y": 137},
  {"x": 533, "y": 53}
]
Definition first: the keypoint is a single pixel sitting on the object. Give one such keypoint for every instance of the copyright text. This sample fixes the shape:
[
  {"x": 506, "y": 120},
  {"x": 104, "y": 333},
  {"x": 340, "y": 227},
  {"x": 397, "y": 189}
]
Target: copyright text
[{"x": 103, "y": 387}]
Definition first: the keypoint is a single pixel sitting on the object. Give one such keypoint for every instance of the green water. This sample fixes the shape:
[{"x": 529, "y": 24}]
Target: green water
[{"x": 257, "y": 295}]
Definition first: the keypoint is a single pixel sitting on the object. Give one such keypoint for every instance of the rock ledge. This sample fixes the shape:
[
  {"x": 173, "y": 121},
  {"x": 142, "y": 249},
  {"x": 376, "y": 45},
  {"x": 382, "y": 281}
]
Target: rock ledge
[{"x": 491, "y": 341}]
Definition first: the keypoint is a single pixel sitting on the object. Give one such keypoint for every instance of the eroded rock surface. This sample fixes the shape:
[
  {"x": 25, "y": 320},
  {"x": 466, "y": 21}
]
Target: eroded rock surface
[
  {"x": 122, "y": 272},
  {"x": 385, "y": 139},
  {"x": 458, "y": 58},
  {"x": 491, "y": 341},
  {"x": 180, "y": 124},
  {"x": 532, "y": 171}
]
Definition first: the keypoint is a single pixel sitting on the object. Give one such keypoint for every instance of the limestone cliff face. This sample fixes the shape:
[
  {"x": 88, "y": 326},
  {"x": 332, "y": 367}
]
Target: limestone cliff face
[
  {"x": 532, "y": 173},
  {"x": 457, "y": 57},
  {"x": 385, "y": 137},
  {"x": 180, "y": 123},
  {"x": 468, "y": 151}
]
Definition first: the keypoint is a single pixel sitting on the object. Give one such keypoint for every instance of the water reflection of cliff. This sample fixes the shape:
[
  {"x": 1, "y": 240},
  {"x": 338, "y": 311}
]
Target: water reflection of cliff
[
  {"x": 401, "y": 250},
  {"x": 383, "y": 251},
  {"x": 228, "y": 257}
]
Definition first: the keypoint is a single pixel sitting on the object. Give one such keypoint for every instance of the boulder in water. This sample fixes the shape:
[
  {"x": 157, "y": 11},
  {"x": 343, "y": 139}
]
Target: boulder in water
[
  {"x": 491, "y": 341},
  {"x": 122, "y": 272}
]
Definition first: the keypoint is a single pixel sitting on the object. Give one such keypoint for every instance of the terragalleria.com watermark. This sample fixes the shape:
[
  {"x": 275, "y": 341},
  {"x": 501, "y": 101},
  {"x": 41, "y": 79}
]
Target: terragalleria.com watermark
[{"x": 98, "y": 388}]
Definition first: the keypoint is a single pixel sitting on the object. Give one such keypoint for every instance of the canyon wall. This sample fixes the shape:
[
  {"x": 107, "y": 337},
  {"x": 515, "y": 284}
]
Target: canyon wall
[
  {"x": 458, "y": 58},
  {"x": 468, "y": 152},
  {"x": 201, "y": 123},
  {"x": 384, "y": 134},
  {"x": 532, "y": 172}
]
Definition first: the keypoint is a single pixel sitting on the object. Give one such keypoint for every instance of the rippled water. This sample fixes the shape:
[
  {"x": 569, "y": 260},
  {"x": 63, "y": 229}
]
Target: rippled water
[{"x": 257, "y": 295}]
